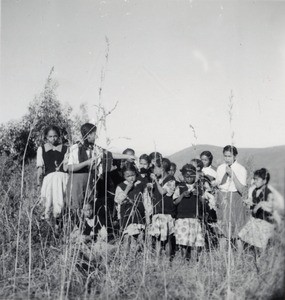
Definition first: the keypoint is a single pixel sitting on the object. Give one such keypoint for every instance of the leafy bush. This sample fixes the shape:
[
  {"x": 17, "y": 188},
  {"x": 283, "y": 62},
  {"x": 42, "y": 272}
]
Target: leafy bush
[{"x": 43, "y": 111}]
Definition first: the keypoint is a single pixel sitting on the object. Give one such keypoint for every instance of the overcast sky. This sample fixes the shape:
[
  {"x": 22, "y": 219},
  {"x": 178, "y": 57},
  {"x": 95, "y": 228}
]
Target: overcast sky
[{"x": 171, "y": 64}]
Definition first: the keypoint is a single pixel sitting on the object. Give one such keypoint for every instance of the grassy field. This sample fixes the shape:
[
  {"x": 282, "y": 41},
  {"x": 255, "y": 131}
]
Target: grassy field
[{"x": 35, "y": 264}]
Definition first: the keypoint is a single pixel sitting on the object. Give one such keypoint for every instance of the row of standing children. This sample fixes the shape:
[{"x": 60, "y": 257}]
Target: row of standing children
[
  {"x": 186, "y": 213},
  {"x": 173, "y": 211},
  {"x": 146, "y": 196}
]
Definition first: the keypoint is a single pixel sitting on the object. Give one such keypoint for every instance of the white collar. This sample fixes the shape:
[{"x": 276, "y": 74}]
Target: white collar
[{"x": 49, "y": 147}]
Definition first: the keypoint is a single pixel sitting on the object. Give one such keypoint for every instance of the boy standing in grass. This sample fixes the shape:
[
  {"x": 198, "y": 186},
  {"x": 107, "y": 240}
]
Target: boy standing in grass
[{"x": 87, "y": 162}]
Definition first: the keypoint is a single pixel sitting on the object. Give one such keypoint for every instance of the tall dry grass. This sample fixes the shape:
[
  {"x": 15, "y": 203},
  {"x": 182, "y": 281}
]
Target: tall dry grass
[{"x": 52, "y": 267}]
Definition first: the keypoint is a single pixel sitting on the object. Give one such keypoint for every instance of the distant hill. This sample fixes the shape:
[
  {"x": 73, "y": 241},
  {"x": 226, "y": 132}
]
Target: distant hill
[{"x": 272, "y": 158}]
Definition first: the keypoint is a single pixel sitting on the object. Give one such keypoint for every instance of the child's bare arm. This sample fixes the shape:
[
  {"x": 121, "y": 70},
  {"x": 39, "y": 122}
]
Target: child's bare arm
[
  {"x": 123, "y": 156},
  {"x": 147, "y": 205},
  {"x": 120, "y": 195},
  {"x": 39, "y": 176},
  {"x": 77, "y": 167},
  {"x": 178, "y": 200},
  {"x": 65, "y": 162}
]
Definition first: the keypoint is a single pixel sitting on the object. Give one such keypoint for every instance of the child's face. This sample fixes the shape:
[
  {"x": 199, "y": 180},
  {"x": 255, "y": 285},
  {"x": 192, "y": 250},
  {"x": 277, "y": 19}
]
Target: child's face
[
  {"x": 259, "y": 182},
  {"x": 130, "y": 176},
  {"x": 123, "y": 161},
  {"x": 143, "y": 164},
  {"x": 229, "y": 158},
  {"x": 172, "y": 171},
  {"x": 130, "y": 153},
  {"x": 91, "y": 137},
  {"x": 158, "y": 171},
  {"x": 205, "y": 160},
  {"x": 189, "y": 178},
  {"x": 52, "y": 137},
  {"x": 87, "y": 211}
]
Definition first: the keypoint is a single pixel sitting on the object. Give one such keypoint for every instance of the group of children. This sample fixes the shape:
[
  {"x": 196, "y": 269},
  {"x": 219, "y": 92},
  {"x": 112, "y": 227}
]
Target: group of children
[{"x": 112, "y": 194}]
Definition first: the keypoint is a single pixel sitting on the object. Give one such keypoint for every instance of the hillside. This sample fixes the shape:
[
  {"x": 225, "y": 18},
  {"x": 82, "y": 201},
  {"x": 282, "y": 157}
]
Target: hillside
[{"x": 272, "y": 158}]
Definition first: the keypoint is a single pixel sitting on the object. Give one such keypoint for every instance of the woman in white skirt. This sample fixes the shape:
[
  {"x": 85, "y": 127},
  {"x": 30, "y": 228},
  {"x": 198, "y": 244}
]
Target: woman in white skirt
[
  {"x": 51, "y": 172},
  {"x": 259, "y": 229}
]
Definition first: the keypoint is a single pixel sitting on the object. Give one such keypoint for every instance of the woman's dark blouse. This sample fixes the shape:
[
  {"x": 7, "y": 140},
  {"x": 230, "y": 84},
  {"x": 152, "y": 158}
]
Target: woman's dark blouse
[{"x": 263, "y": 196}]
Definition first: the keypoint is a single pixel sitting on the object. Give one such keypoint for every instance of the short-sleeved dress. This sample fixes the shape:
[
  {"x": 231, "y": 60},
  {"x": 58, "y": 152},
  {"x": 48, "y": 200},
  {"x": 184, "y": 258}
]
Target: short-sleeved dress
[
  {"x": 132, "y": 208},
  {"x": 259, "y": 229},
  {"x": 164, "y": 210},
  {"x": 53, "y": 191},
  {"x": 188, "y": 230}
]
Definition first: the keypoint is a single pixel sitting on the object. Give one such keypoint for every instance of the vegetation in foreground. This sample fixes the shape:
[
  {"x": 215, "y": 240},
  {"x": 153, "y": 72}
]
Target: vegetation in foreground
[{"x": 37, "y": 264}]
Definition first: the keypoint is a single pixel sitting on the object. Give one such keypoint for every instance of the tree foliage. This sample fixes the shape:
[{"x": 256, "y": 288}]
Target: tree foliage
[{"x": 43, "y": 111}]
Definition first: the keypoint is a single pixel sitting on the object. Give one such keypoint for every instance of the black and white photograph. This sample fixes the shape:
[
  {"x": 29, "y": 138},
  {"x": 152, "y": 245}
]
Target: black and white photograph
[{"x": 142, "y": 149}]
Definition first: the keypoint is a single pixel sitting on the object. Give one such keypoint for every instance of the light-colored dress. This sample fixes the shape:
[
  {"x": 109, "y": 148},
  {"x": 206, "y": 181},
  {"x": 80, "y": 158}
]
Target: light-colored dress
[
  {"x": 232, "y": 214},
  {"x": 53, "y": 191},
  {"x": 162, "y": 225}
]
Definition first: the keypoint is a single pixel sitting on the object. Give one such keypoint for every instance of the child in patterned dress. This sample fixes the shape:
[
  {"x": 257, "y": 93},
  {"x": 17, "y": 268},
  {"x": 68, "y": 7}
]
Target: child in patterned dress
[
  {"x": 132, "y": 207},
  {"x": 188, "y": 199},
  {"x": 164, "y": 210},
  {"x": 259, "y": 229}
]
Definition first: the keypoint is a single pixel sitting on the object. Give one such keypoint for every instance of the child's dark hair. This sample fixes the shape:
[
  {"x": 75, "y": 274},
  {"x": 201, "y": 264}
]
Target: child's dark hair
[
  {"x": 64, "y": 136},
  {"x": 206, "y": 179},
  {"x": 64, "y": 131},
  {"x": 145, "y": 157},
  {"x": 129, "y": 166},
  {"x": 163, "y": 163},
  {"x": 188, "y": 168},
  {"x": 172, "y": 164},
  {"x": 155, "y": 155},
  {"x": 87, "y": 128},
  {"x": 117, "y": 163},
  {"x": 231, "y": 149},
  {"x": 198, "y": 163},
  {"x": 129, "y": 150},
  {"x": 208, "y": 154},
  {"x": 263, "y": 174},
  {"x": 52, "y": 127}
]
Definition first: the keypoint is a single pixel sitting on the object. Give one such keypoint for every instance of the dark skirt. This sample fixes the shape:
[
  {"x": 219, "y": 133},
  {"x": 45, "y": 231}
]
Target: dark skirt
[{"x": 132, "y": 214}]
